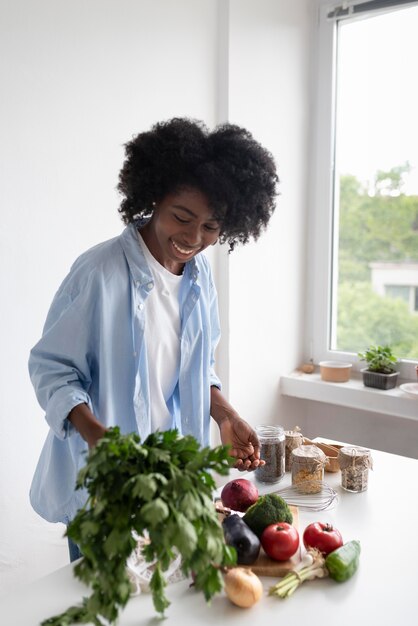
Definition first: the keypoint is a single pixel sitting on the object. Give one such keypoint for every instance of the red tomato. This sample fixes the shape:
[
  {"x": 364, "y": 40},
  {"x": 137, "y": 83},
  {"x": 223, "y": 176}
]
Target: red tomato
[
  {"x": 280, "y": 541},
  {"x": 323, "y": 537}
]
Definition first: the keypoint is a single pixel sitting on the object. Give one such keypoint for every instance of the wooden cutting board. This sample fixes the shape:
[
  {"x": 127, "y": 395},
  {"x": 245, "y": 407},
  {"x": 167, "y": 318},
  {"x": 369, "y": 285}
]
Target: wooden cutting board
[{"x": 265, "y": 566}]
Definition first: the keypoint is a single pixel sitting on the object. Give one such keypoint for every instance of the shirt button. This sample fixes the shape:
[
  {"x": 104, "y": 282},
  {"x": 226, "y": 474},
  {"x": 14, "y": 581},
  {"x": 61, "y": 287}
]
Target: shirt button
[
  {"x": 140, "y": 306},
  {"x": 149, "y": 286}
]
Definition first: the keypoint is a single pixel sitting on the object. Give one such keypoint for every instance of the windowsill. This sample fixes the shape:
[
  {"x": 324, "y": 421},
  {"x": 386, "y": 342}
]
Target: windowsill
[{"x": 351, "y": 394}]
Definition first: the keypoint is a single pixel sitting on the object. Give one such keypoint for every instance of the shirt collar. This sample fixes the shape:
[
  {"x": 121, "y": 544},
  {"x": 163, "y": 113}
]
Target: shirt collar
[{"x": 137, "y": 262}]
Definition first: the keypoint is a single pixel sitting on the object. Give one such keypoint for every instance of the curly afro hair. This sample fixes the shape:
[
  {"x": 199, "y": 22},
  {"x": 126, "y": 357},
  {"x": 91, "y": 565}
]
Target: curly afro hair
[{"x": 237, "y": 175}]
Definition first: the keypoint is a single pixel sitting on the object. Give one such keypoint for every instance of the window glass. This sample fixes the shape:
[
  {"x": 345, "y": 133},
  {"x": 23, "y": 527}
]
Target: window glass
[
  {"x": 397, "y": 291},
  {"x": 375, "y": 225}
]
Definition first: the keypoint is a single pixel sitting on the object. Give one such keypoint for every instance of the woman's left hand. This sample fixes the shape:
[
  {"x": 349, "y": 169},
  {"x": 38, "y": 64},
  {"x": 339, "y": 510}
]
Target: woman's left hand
[{"x": 237, "y": 433}]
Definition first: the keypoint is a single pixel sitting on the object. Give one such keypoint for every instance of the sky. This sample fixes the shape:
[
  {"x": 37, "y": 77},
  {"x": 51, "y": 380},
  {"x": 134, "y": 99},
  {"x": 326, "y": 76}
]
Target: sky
[{"x": 377, "y": 112}]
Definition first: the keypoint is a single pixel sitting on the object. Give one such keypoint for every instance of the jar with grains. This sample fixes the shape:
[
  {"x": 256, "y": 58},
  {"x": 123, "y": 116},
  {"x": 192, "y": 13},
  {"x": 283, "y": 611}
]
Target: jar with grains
[
  {"x": 293, "y": 439},
  {"x": 355, "y": 463},
  {"x": 308, "y": 464},
  {"x": 272, "y": 451}
]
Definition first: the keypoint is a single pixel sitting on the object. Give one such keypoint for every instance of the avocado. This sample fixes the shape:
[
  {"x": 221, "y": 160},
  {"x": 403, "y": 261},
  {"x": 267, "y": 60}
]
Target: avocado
[{"x": 238, "y": 535}]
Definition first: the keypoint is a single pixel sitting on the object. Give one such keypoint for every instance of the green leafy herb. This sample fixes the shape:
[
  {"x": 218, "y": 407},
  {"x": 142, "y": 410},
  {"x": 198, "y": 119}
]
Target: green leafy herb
[
  {"x": 162, "y": 487},
  {"x": 379, "y": 359}
]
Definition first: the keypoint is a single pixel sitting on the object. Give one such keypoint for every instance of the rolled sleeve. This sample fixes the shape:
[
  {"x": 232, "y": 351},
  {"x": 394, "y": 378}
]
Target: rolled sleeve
[
  {"x": 58, "y": 387},
  {"x": 59, "y": 364},
  {"x": 215, "y": 381},
  {"x": 60, "y": 405}
]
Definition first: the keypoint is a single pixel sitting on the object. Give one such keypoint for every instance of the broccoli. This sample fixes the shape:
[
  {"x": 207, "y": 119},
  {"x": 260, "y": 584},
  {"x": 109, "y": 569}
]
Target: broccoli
[{"x": 267, "y": 510}]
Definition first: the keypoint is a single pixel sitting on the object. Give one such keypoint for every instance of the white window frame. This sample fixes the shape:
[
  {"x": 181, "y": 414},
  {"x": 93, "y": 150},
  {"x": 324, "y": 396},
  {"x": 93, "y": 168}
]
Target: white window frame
[{"x": 320, "y": 212}]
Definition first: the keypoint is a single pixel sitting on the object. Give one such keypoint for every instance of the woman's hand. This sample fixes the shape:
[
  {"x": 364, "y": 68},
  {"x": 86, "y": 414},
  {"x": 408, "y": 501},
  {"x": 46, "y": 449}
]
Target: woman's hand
[{"x": 235, "y": 432}]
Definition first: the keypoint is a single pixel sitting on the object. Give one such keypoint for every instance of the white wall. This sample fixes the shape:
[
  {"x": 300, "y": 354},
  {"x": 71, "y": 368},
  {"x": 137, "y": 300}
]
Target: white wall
[
  {"x": 78, "y": 79},
  {"x": 270, "y": 57}
]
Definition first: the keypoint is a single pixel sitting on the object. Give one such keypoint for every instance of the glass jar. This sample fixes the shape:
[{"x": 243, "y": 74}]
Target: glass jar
[
  {"x": 308, "y": 464},
  {"x": 294, "y": 439},
  {"x": 272, "y": 451},
  {"x": 355, "y": 463}
]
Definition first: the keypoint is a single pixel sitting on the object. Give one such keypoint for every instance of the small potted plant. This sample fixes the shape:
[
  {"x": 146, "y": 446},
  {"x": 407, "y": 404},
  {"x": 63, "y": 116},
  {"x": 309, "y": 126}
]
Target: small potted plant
[{"x": 380, "y": 372}]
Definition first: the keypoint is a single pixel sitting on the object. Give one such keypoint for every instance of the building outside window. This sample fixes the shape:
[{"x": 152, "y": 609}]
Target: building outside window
[
  {"x": 397, "y": 281},
  {"x": 364, "y": 279}
]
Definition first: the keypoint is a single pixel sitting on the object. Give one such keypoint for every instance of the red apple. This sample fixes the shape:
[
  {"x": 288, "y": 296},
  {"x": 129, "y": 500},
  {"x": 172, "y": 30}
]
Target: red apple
[{"x": 239, "y": 494}]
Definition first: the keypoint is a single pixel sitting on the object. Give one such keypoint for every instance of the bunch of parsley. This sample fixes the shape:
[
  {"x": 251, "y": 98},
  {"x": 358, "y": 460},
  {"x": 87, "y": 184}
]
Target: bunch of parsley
[{"x": 163, "y": 486}]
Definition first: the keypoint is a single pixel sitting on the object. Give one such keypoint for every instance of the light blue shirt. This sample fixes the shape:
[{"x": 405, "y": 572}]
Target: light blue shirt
[{"x": 92, "y": 350}]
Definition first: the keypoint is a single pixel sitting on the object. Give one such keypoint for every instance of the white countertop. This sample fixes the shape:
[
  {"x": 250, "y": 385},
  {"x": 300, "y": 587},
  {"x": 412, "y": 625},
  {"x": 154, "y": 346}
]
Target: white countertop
[{"x": 383, "y": 591}]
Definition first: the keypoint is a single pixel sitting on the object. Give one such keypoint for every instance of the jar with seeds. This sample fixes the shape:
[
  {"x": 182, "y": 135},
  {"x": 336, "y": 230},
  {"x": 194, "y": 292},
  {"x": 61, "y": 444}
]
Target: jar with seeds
[
  {"x": 272, "y": 451},
  {"x": 308, "y": 463},
  {"x": 355, "y": 463},
  {"x": 294, "y": 439}
]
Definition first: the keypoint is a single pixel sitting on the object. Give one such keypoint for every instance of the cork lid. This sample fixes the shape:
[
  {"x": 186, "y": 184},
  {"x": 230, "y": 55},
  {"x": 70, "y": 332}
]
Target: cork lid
[
  {"x": 309, "y": 452},
  {"x": 355, "y": 456}
]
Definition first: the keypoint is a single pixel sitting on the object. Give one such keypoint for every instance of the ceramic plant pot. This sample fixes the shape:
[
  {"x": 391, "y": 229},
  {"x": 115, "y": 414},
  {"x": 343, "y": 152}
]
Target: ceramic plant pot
[{"x": 378, "y": 380}]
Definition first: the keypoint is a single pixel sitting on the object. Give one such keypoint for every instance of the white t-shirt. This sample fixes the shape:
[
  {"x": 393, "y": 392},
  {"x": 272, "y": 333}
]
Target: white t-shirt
[{"x": 162, "y": 339}]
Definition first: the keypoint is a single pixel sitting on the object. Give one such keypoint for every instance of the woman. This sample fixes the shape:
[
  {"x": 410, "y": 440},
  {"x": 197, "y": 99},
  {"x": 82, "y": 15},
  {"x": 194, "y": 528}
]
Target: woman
[{"x": 130, "y": 336}]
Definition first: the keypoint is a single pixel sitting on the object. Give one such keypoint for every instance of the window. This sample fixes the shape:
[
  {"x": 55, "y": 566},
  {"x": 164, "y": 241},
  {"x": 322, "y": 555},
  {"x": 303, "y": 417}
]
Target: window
[
  {"x": 365, "y": 189},
  {"x": 397, "y": 291}
]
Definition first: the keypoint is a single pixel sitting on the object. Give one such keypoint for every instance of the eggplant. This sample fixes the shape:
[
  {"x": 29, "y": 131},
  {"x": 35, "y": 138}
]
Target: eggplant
[{"x": 240, "y": 536}]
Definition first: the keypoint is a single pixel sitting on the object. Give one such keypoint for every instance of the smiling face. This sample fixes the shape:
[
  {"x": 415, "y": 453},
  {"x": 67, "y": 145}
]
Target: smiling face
[{"x": 181, "y": 226}]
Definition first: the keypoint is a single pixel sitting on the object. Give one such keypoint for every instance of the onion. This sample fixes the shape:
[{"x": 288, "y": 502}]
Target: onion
[{"x": 243, "y": 587}]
